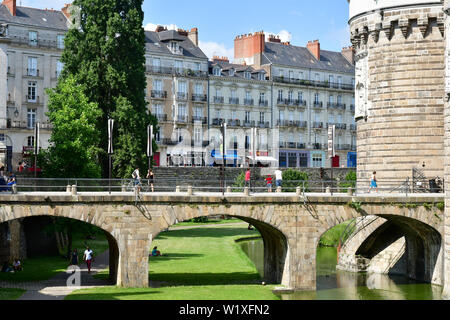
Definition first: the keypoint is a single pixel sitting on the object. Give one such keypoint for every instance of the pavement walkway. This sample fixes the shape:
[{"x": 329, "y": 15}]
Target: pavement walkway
[{"x": 56, "y": 287}]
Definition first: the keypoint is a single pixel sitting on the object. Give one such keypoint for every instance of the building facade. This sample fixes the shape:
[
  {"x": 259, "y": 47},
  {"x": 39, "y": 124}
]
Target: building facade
[
  {"x": 271, "y": 85},
  {"x": 312, "y": 89},
  {"x": 30, "y": 62}
]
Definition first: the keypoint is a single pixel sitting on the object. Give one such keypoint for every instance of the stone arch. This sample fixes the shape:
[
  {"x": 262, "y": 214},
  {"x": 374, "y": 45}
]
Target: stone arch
[
  {"x": 11, "y": 213},
  {"x": 276, "y": 244}
]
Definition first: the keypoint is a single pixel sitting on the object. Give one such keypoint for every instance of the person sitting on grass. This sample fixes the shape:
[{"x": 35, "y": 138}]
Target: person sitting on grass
[
  {"x": 6, "y": 267},
  {"x": 17, "y": 265},
  {"x": 156, "y": 252}
]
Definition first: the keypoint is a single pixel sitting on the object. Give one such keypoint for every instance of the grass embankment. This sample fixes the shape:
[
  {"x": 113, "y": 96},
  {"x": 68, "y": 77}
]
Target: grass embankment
[
  {"x": 332, "y": 236},
  {"x": 44, "y": 267},
  {"x": 208, "y": 222},
  {"x": 198, "y": 264},
  {"x": 10, "y": 294}
]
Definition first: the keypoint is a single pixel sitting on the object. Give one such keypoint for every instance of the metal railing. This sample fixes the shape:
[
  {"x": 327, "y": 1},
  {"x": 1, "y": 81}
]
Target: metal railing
[{"x": 259, "y": 185}]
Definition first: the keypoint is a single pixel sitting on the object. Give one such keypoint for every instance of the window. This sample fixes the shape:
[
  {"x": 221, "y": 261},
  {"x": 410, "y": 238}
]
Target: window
[
  {"x": 331, "y": 78},
  {"x": 31, "y": 118},
  {"x": 181, "y": 111},
  {"x": 291, "y": 116},
  {"x": 301, "y": 76},
  {"x": 283, "y": 160},
  {"x": 339, "y": 99},
  {"x": 317, "y": 117},
  {"x": 32, "y": 66},
  {"x": 30, "y": 141},
  {"x": 292, "y": 158},
  {"x": 247, "y": 95},
  {"x": 198, "y": 88},
  {"x": 247, "y": 75},
  {"x": 218, "y": 113},
  {"x": 291, "y": 74},
  {"x": 317, "y": 77},
  {"x": 316, "y": 98},
  {"x": 247, "y": 117},
  {"x": 31, "y": 91},
  {"x": 179, "y": 135},
  {"x": 179, "y": 65},
  {"x": 59, "y": 68},
  {"x": 281, "y": 137},
  {"x": 331, "y": 118},
  {"x": 157, "y": 85},
  {"x": 317, "y": 160},
  {"x": 302, "y": 116},
  {"x": 32, "y": 38},
  {"x": 281, "y": 115},
  {"x": 216, "y": 72},
  {"x": 291, "y": 95},
  {"x": 233, "y": 93},
  {"x": 261, "y": 76},
  {"x": 261, "y": 117},
  {"x": 280, "y": 95},
  {"x": 60, "y": 41},
  {"x": 198, "y": 112},
  {"x": 303, "y": 160},
  {"x": 173, "y": 46},
  {"x": 281, "y": 73},
  {"x": 330, "y": 99},
  {"x": 300, "y": 96},
  {"x": 182, "y": 87},
  {"x": 197, "y": 66},
  {"x": 156, "y": 63},
  {"x": 198, "y": 134},
  {"x": 339, "y": 79},
  {"x": 339, "y": 118},
  {"x": 233, "y": 115},
  {"x": 231, "y": 72},
  {"x": 262, "y": 96},
  {"x": 157, "y": 110}
]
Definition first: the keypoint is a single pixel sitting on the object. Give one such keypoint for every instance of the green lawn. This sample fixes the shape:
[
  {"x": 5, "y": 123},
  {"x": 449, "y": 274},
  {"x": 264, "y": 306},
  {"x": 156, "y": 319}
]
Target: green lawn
[
  {"x": 10, "y": 294},
  {"x": 45, "y": 267},
  {"x": 198, "y": 264},
  {"x": 197, "y": 224}
]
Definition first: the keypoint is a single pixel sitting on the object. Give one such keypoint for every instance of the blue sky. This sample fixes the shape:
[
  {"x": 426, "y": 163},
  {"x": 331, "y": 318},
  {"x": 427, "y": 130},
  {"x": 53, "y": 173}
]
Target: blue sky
[{"x": 295, "y": 20}]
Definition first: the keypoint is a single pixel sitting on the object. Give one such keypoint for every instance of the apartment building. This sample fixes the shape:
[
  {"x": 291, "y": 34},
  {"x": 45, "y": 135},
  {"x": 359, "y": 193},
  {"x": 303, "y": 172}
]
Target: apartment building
[
  {"x": 240, "y": 96},
  {"x": 177, "y": 85},
  {"x": 313, "y": 89},
  {"x": 30, "y": 52}
]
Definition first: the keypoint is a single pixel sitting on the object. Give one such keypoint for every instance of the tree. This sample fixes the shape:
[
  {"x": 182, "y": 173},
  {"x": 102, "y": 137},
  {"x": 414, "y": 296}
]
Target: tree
[
  {"x": 293, "y": 179},
  {"x": 73, "y": 151},
  {"x": 106, "y": 53}
]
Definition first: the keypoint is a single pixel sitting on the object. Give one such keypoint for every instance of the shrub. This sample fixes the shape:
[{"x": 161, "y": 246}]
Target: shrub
[
  {"x": 349, "y": 182},
  {"x": 239, "y": 183},
  {"x": 293, "y": 179}
]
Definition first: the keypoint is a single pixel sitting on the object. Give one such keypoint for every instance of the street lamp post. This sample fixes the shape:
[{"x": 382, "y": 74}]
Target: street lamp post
[
  {"x": 224, "y": 133},
  {"x": 149, "y": 145},
  {"x": 36, "y": 146},
  {"x": 110, "y": 148}
]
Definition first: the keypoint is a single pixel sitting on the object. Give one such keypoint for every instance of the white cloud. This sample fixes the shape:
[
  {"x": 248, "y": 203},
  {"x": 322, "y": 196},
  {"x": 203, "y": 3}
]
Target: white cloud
[
  {"x": 216, "y": 49},
  {"x": 284, "y": 35},
  {"x": 152, "y": 27}
]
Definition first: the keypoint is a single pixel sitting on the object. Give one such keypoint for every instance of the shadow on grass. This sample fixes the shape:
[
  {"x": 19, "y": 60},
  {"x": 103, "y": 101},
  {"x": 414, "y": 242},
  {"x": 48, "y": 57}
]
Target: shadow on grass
[
  {"x": 135, "y": 293},
  {"x": 205, "y": 279},
  {"x": 207, "y": 232},
  {"x": 173, "y": 256}
]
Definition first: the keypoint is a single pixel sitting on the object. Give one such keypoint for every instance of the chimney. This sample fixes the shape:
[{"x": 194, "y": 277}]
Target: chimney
[
  {"x": 220, "y": 59},
  {"x": 193, "y": 36},
  {"x": 160, "y": 28},
  {"x": 349, "y": 54},
  {"x": 314, "y": 48},
  {"x": 11, "y": 5},
  {"x": 273, "y": 38},
  {"x": 249, "y": 48},
  {"x": 66, "y": 11},
  {"x": 182, "y": 32}
]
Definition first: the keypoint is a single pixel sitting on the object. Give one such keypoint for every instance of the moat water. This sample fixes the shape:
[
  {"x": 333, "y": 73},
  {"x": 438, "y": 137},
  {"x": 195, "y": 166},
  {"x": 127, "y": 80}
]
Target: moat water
[{"x": 334, "y": 284}]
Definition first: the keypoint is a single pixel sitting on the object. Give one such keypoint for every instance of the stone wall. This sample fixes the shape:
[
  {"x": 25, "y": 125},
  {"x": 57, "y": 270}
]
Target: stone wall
[{"x": 399, "y": 90}]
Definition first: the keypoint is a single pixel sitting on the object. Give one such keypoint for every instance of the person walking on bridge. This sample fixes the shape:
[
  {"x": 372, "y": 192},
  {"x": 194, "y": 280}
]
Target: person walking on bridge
[{"x": 373, "y": 182}]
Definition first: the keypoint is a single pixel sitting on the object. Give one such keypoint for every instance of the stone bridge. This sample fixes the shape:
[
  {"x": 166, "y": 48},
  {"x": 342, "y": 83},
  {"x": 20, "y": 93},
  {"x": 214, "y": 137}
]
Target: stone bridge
[{"x": 291, "y": 226}]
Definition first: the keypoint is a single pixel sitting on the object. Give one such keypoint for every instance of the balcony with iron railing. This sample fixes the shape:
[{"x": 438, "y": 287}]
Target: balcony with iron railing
[
  {"x": 233, "y": 101},
  {"x": 199, "y": 143},
  {"x": 199, "y": 97},
  {"x": 317, "y": 146},
  {"x": 263, "y": 125},
  {"x": 170, "y": 142},
  {"x": 218, "y": 99},
  {"x": 181, "y": 119},
  {"x": 181, "y": 95},
  {"x": 318, "y": 104},
  {"x": 32, "y": 72},
  {"x": 161, "y": 117},
  {"x": 158, "y": 94},
  {"x": 263, "y": 103},
  {"x": 176, "y": 71},
  {"x": 217, "y": 122},
  {"x": 317, "y": 125},
  {"x": 303, "y": 124},
  {"x": 199, "y": 119},
  {"x": 313, "y": 83},
  {"x": 249, "y": 124},
  {"x": 35, "y": 43},
  {"x": 32, "y": 99},
  {"x": 353, "y": 148},
  {"x": 353, "y": 127},
  {"x": 249, "y": 102},
  {"x": 234, "y": 123},
  {"x": 339, "y": 126},
  {"x": 343, "y": 147}
]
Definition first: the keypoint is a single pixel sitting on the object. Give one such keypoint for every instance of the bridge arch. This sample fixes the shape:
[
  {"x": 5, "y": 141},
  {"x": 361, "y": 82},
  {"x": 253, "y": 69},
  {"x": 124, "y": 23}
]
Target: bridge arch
[
  {"x": 11, "y": 214},
  {"x": 276, "y": 244}
]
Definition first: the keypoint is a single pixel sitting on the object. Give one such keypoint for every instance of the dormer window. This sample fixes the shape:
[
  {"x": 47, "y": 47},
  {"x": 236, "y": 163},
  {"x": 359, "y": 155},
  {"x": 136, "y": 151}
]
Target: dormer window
[
  {"x": 216, "y": 72},
  {"x": 231, "y": 72},
  {"x": 247, "y": 75},
  {"x": 261, "y": 76}
]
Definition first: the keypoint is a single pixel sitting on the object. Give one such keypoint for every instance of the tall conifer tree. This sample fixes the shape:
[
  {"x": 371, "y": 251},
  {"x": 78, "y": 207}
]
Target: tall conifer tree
[{"x": 105, "y": 51}]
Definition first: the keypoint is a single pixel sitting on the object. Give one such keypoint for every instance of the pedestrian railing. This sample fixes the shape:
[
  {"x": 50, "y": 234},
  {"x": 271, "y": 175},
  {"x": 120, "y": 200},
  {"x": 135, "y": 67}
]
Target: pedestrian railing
[{"x": 170, "y": 185}]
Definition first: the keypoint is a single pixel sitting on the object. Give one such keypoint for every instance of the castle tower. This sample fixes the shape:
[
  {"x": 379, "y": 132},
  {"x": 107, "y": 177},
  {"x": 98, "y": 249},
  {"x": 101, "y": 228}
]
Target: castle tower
[{"x": 399, "y": 87}]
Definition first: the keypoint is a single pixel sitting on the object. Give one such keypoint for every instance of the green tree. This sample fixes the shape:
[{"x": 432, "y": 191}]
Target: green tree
[
  {"x": 350, "y": 181},
  {"x": 106, "y": 53},
  {"x": 73, "y": 151},
  {"x": 293, "y": 179}
]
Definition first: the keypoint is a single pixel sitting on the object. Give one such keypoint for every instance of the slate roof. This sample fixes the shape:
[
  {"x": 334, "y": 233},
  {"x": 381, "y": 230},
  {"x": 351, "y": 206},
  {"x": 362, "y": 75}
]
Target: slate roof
[
  {"x": 238, "y": 68},
  {"x": 300, "y": 57},
  {"x": 154, "y": 44},
  {"x": 34, "y": 17}
]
